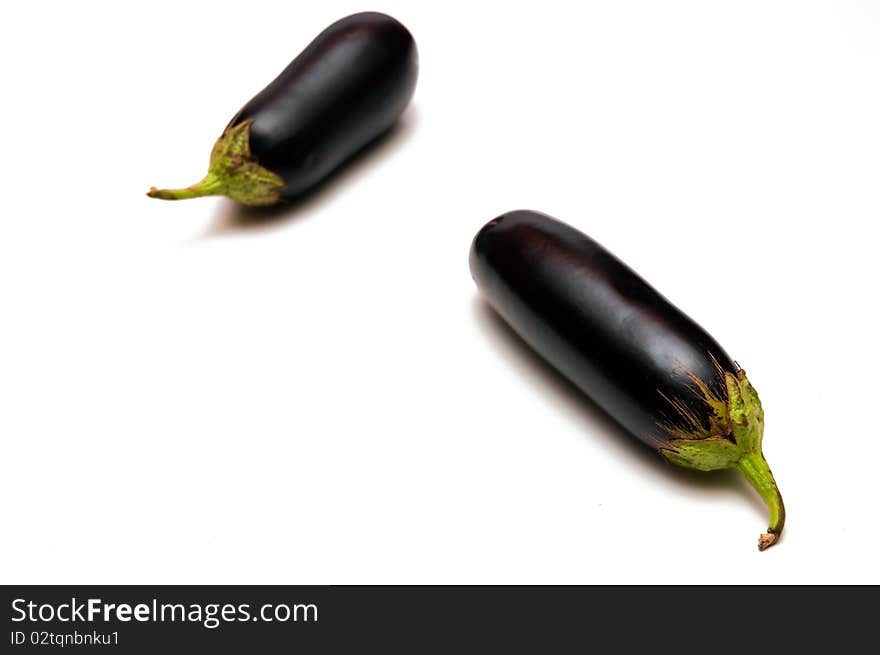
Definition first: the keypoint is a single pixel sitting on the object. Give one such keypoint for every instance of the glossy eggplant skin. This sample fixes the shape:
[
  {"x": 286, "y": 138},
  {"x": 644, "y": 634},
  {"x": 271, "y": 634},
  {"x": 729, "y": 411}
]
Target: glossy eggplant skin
[
  {"x": 600, "y": 324},
  {"x": 347, "y": 88}
]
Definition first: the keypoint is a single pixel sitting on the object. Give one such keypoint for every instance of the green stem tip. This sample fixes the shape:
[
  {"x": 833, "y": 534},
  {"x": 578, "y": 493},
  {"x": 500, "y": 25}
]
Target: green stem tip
[
  {"x": 210, "y": 185},
  {"x": 755, "y": 469}
]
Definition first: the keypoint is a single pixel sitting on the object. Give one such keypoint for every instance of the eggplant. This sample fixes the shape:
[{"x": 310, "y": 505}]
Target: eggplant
[
  {"x": 345, "y": 90},
  {"x": 638, "y": 357}
]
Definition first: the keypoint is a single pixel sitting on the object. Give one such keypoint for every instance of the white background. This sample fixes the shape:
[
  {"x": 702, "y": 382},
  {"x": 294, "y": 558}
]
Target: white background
[{"x": 196, "y": 393}]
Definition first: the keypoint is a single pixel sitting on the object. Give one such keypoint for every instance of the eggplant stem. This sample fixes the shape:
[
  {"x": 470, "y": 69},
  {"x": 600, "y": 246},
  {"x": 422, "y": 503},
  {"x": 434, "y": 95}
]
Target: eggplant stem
[
  {"x": 210, "y": 185},
  {"x": 755, "y": 469},
  {"x": 233, "y": 172}
]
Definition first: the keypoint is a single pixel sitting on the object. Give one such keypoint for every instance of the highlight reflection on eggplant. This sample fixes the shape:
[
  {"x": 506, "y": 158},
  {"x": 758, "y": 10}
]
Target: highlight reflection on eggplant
[
  {"x": 347, "y": 88},
  {"x": 642, "y": 360}
]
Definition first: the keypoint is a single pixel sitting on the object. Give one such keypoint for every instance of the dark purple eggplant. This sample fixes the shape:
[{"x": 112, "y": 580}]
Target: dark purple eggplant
[
  {"x": 346, "y": 89},
  {"x": 641, "y": 359}
]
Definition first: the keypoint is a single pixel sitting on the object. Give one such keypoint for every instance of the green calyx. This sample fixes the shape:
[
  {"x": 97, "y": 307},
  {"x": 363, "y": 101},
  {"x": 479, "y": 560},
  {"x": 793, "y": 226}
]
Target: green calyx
[
  {"x": 232, "y": 172},
  {"x": 733, "y": 440}
]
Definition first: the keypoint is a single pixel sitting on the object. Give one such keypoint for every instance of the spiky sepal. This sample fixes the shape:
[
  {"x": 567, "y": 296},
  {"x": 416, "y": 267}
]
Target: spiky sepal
[{"x": 733, "y": 440}]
